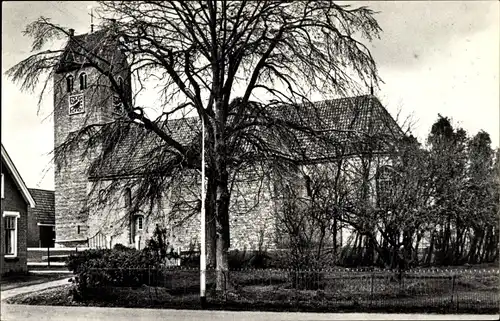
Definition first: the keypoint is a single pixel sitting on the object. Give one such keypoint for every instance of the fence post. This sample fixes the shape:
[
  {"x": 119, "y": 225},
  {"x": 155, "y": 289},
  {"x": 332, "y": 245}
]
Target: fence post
[
  {"x": 371, "y": 291},
  {"x": 452, "y": 288},
  {"x": 48, "y": 256}
]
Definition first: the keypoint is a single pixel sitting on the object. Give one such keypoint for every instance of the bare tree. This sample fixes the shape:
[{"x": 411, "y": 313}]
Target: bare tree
[{"x": 203, "y": 53}]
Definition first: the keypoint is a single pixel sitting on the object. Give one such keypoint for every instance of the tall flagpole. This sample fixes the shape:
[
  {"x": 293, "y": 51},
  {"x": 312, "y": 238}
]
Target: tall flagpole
[{"x": 203, "y": 261}]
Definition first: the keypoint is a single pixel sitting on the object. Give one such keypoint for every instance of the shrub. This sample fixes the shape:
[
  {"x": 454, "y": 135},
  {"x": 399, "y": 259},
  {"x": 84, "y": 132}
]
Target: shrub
[
  {"x": 159, "y": 248},
  {"x": 121, "y": 266}
]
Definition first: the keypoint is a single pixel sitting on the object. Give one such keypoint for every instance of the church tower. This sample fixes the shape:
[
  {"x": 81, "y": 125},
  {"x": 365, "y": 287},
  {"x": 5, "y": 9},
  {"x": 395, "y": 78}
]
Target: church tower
[{"x": 83, "y": 96}]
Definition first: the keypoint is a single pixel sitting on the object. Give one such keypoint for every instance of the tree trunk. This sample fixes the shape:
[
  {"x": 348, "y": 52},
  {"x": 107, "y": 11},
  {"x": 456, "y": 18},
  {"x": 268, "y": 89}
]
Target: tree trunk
[
  {"x": 416, "y": 257},
  {"x": 222, "y": 200},
  {"x": 428, "y": 259},
  {"x": 210, "y": 223},
  {"x": 334, "y": 237}
]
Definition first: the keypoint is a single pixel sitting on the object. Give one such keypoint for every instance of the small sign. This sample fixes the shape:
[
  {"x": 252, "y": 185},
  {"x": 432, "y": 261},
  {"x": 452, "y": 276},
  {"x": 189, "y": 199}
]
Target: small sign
[{"x": 76, "y": 104}]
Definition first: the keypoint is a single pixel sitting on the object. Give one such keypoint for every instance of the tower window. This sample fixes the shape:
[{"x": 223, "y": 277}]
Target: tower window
[
  {"x": 83, "y": 81},
  {"x": 69, "y": 83}
]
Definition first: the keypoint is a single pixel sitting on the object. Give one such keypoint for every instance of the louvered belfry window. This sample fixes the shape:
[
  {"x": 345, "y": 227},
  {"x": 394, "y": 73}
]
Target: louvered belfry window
[
  {"x": 69, "y": 83},
  {"x": 83, "y": 81}
]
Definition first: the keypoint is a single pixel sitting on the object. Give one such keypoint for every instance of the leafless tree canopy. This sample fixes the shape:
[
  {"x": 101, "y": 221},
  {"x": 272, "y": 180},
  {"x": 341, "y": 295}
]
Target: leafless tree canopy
[{"x": 233, "y": 62}]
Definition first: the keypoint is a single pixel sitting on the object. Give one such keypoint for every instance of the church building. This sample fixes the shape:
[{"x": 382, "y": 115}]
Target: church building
[{"x": 83, "y": 97}]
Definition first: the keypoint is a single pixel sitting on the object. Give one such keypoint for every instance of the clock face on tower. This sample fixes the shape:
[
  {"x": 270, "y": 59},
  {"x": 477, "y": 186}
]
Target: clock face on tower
[{"x": 76, "y": 104}]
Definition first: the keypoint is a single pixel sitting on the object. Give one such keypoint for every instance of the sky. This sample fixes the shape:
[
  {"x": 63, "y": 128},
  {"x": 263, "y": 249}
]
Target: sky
[{"x": 433, "y": 57}]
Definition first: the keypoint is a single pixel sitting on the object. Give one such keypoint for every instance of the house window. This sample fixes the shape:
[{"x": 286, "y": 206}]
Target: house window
[
  {"x": 69, "y": 83},
  {"x": 83, "y": 81},
  {"x": 139, "y": 222},
  {"x": 10, "y": 226}
]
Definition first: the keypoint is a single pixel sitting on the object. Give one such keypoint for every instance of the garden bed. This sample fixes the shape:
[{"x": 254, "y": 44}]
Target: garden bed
[{"x": 478, "y": 295}]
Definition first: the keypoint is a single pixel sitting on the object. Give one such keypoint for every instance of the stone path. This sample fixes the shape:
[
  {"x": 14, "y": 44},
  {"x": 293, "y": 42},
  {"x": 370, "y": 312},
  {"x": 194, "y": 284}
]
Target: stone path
[{"x": 32, "y": 288}]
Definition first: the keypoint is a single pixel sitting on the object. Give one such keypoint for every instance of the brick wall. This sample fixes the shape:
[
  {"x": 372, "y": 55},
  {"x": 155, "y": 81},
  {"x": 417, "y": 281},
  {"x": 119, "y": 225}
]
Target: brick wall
[{"x": 14, "y": 202}]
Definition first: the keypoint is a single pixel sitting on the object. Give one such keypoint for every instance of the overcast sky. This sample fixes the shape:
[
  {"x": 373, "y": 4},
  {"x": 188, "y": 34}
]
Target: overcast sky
[{"x": 434, "y": 57}]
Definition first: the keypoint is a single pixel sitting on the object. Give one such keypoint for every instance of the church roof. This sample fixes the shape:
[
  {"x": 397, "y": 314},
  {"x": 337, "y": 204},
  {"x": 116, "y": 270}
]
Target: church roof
[
  {"x": 99, "y": 44},
  {"x": 44, "y": 209},
  {"x": 342, "y": 121},
  {"x": 132, "y": 148}
]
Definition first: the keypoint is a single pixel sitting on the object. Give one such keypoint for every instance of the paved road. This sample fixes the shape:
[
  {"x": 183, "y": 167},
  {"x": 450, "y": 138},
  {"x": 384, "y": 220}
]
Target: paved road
[
  {"x": 42, "y": 313},
  {"x": 13, "y": 312}
]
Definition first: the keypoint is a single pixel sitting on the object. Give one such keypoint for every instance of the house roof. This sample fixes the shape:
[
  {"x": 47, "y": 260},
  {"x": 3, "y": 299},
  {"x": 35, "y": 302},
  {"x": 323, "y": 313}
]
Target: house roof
[
  {"x": 44, "y": 209},
  {"x": 134, "y": 150},
  {"x": 17, "y": 178}
]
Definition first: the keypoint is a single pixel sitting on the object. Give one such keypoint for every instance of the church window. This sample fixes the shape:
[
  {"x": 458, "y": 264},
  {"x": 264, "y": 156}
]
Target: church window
[
  {"x": 69, "y": 83},
  {"x": 128, "y": 197},
  {"x": 120, "y": 84},
  {"x": 102, "y": 196},
  {"x": 384, "y": 185},
  {"x": 117, "y": 102},
  {"x": 83, "y": 81},
  {"x": 139, "y": 221}
]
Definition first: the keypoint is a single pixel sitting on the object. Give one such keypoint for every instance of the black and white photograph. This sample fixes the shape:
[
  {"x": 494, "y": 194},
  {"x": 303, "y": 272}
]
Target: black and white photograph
[{"x": 250, "y": 160}]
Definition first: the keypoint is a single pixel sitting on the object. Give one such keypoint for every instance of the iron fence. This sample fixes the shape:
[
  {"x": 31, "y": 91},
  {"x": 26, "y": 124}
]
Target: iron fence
[
  {"x": 319, "y": 290},
  {"x": 51, "y": 255}
]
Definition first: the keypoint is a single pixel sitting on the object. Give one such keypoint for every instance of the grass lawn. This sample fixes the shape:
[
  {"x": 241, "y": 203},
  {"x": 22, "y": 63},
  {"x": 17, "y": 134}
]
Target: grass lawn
[
  {"x": 19, "y": 280},
  {"x": 272, "y": 291}
]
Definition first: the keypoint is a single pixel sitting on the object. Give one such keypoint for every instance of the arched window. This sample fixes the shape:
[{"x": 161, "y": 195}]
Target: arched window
[
  {"x": 69, "y": 83},
  {"x": 102, "y": 196},
  {"x": 128, "y": 198},
  {"x": 83, "y": 81},
  {"x": 120, "y": 84}
]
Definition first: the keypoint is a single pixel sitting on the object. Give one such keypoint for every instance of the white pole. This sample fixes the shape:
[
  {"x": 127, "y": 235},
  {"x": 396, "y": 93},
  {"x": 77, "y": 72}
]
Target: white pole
[{"x": 203, "y": 262}]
